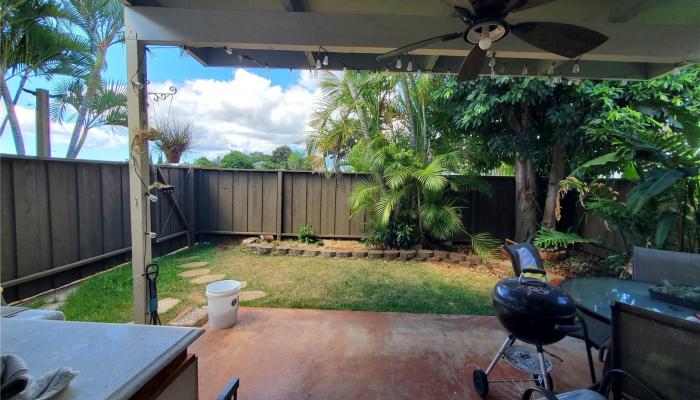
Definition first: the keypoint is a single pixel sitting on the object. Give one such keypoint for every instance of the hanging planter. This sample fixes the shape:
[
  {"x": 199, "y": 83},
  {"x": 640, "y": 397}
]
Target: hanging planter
[{"x": 173, "y": 136}]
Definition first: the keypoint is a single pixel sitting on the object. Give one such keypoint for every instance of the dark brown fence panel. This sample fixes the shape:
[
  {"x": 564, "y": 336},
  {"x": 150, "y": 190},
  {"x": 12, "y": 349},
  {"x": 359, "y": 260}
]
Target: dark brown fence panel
[{"x": 63, "y": 220}]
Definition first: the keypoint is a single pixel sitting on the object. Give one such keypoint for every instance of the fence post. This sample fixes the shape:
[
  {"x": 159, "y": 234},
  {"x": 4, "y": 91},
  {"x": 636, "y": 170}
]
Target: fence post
[
  {"x": 191, "y": 209},
  {"x": 43, "y": 141},
  {"x": 279, "y": 203}
]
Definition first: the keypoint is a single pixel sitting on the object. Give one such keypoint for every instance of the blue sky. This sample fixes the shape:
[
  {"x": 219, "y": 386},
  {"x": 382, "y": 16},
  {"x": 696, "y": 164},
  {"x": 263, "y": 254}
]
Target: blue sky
[{"x": 249, "y": 110}]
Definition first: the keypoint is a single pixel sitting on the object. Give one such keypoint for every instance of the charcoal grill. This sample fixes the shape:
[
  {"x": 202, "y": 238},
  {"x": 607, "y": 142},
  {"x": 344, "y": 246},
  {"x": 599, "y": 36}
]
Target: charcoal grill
[{"x": 533, "y": 312}]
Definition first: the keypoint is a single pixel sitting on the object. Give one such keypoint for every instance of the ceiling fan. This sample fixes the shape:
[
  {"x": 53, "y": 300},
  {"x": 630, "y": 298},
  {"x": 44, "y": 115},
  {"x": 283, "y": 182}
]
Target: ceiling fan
[{"x": 486, "y": 24}]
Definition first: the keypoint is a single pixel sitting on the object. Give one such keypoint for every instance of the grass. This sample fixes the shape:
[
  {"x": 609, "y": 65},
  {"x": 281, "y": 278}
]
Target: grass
[{"x": 297, "y": 282}]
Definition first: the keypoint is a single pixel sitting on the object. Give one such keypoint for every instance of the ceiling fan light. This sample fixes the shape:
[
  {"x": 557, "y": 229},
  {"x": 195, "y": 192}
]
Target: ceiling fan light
[
  {"x": 485, "y": 40},
  {"x": 325, "y": 59},
  {"x": 398, "y": 63}
]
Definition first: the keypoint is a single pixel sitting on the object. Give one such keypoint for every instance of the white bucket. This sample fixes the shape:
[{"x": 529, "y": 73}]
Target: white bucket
[{"x": 222, "y": 299}]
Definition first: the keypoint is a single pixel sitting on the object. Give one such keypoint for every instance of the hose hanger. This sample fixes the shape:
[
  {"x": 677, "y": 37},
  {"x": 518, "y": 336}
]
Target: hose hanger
[{"x": 152, "y": 277}]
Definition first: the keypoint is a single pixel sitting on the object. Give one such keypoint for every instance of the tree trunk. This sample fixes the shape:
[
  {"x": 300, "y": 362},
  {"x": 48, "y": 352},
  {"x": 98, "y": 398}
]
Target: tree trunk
[
  {"x": 557, "y": 172},
  {"x": 22, "y": 82},
  {"x": 14, "y": 123},
  {"x": 409, "y": 111},
  {"x": 526, "y": 200}
]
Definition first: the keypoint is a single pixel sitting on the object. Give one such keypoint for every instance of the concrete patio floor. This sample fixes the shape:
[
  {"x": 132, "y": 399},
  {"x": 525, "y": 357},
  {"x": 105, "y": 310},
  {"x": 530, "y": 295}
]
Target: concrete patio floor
[{"x": 316, "y": 354}]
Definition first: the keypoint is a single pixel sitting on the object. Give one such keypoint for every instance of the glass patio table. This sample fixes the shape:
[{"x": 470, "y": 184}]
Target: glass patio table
[{"x": 596, "y": 295}]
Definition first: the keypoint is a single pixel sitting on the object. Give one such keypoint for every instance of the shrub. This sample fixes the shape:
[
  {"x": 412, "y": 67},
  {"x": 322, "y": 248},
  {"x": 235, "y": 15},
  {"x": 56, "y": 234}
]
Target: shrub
[
  {"x": 548, "y": 238},
  {"x": 395, "y": 235},
  {"x": 236, "y": 159},
  {"x": 307, "y": 235}
]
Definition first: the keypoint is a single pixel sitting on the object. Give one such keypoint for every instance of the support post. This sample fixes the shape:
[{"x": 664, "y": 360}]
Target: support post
[
  {"x": 43, "y": 141},
  {"x": 139, "y": 172}
]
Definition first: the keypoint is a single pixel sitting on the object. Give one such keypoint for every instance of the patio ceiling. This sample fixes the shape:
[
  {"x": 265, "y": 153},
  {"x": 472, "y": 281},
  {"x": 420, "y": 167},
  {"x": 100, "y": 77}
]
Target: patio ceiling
[{"x": 647, "y": 37}]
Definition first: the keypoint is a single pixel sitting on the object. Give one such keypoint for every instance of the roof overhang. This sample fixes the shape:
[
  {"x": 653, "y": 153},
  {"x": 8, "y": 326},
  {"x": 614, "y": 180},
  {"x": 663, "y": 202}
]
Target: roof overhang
[{"x": 647, "y": 37}]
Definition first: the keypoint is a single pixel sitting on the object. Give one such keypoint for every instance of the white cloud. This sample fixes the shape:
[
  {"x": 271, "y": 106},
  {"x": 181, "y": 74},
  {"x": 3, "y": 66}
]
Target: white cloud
[
  {"x": 98, "y": 138},
  {"x": 246, "y": 113}
]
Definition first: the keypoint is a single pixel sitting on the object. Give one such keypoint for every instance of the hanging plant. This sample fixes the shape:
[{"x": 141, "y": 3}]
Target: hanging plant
[{"x": 173, "y": 136}]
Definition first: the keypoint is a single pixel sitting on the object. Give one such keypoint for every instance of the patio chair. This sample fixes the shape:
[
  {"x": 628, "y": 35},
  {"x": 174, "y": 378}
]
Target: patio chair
[
  {"x": 525, "y": 258},
  {"x": 653, "y": 266},
  {"x": 230, "y": 392},
  {"x": 654, "y": 356}
]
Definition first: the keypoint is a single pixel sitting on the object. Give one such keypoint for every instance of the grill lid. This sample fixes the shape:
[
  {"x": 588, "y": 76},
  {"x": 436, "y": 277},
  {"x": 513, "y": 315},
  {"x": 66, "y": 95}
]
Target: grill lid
[{"x": 532, "y": 296}]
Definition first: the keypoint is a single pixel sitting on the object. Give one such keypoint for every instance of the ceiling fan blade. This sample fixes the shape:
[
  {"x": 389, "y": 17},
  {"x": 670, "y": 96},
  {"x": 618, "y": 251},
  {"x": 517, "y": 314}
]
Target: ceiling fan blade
[
  {"x": 566, "y": 40},
  {"x": 472, "y": 64},
  {"x": 520, "y": 5},
  {"x": 417, "y": 45}
]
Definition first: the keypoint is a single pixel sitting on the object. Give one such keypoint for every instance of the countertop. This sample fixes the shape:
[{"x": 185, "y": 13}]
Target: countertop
[{"x": 114, "y": 360}]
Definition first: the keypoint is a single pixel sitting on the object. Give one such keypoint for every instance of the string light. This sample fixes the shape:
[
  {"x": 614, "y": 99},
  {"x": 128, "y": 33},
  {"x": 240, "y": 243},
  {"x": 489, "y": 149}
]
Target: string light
[
  {"x": 318, "y": 63},
  {"x": 493, "y": 73},
  {"x": 228, "y": 50},
  {"x": 409, "y": 66},
  {"x": 398, "y": 63},
  {"x": 676, "y": 70},
  {"x": 325, "y": 59},
  {"x": 448, "y": 73},
  {"x": 550, "y": 70},
  {"x": 524, "y": 70},
  {"x": 576, "y": 68},
  {"x": 345, "y": 69},
  {"x": 624, "y": 82},
  {"x": 492, "y": 61}
]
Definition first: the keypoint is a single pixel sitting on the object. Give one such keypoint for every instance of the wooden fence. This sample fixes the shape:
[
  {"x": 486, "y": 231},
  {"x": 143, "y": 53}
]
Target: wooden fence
[{"x": 63, "y": 220}]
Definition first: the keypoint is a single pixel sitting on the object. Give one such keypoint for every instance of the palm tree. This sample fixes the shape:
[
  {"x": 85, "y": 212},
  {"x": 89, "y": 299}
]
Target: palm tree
[
  {"x": 102, "y": 23},
  {"x": 33, "y": 44},
  {"x": 107, "y": 107}
]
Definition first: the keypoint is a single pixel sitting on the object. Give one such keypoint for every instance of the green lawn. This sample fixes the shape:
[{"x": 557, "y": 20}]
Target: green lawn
[{"x": 297, "y": 282}]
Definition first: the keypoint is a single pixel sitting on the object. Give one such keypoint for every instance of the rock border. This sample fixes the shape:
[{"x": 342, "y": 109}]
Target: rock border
[{"x": 434, "y": 256}]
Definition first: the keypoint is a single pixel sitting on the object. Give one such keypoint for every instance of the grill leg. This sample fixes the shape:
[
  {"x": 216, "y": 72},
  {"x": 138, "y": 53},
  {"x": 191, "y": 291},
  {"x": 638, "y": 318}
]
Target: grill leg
[
  {"x": 543, "y": 368},
  {"x": 509, "y": 342}
]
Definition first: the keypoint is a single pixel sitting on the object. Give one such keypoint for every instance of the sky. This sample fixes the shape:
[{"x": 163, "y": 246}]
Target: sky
[{"x": 251, "y": 109}]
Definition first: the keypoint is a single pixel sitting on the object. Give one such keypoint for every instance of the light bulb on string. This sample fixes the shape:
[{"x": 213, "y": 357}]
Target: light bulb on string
[
  {"x": 576, "y": 68},
  {"x": 398, "y": 63},
  {"x": 325, "y": 59},
  {"x": 318, "y": 63},
  {"x": 524, "y": 70},
  {"x": 409, "y": 66}
]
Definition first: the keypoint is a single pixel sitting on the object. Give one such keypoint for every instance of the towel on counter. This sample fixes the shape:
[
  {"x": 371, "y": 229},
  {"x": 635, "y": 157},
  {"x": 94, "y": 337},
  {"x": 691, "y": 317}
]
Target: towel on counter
[{"x": 16, "y": 375}]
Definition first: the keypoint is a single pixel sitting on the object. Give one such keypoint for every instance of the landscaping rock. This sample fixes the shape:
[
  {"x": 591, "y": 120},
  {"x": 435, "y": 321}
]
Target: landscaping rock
[
  {"x": 407, "y": 254},
  {"x": 167, "y": 304},
  {"x": 457, "y": 256},
  {"x": 312, "y": 252},
  {"x": 441, "y": 254},
  {"x": 359, "y": 254},
  {"x": 473, "y": 260},
  {"x": 195, "y": 264},
  {"x": 281, "y": 250},
  {"x": 375, "y": 254},
  {"x": 249, "y": 240},
  {"x": 194, "y": 272},
  {"x": 424, "y": 254},
  {"x": 391, "y": 254},
  {"x": 451, "y": 261},
  {"x": 296, "y": 252},
  {"x": 251, "y": 247},
  {"x": 328, "y": 253},
  {"x": 192, "y": 317},
  {"x": 208, "y": 278},
  {"x": 434, "y": 259},
  {"x": 264, "y": 250},
  {"x": 249, "y": 295},
  {"x": 342, "y": 253}
]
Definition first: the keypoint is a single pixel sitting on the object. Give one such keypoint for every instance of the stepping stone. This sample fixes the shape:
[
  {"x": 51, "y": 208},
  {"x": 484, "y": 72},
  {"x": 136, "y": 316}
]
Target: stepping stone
[
  {"x": 243, "y": 284},
  {"x": 457, "y": 256},
  {"x": 375, "y": 254},
  {"x": 196, "y": 264},
  {"x": 424, "y": 254},
  {"x": 167, "y": 304},
  {"x": 249, "y": 240},
  {"x": 359, "y": 254},
  {"x": 208, "y": 278},
  {"x": 194, "y": 272},
  {"x": 192, "y": 317},
  {"x": 249, "y": 295}
]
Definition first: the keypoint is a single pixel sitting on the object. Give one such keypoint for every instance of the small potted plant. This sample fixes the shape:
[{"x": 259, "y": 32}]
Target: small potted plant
[{"x": 173, "y": 136}]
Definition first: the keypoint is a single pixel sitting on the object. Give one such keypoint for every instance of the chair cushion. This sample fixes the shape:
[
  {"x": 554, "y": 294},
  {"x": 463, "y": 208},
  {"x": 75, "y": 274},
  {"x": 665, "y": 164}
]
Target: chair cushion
[
  {"x": 581, "y": 394},
  {"x": 526, "y": 259}
]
